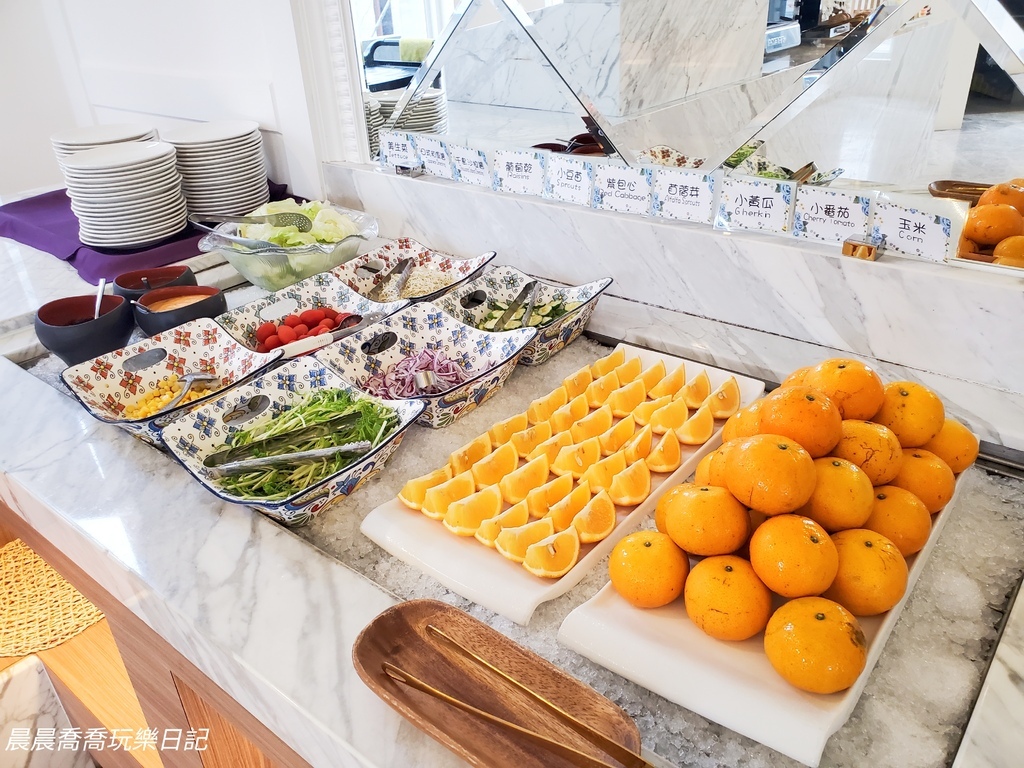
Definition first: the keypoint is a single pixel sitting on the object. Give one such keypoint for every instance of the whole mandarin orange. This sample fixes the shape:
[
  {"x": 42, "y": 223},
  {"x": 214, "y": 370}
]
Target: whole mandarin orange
[
  {"x": 928, "y": 477},
  {"x": 955, "y": 444},
  {"x": 805, "y": 415},
  {"x": 661, "y": 509},
  {"x": 1009, "y": 261},
  {"x": 726, "y": 599},
  {"x": 1010, "y": 248},
  {"x": 842, "y": 495},
  {"x": 988, "y": 224},
  {"x": 872, "y": 575},
  {"x": 872, "y": 447},
  {"x": 793, "y": 556},
  {"x": 1005, "y": 194},
  {"x": 901, "y": 517},
  {"x": 702, "y": 473},
  {"x": 796, "y": 378},
  {"x": 647, "y": 569},
  {"x": 706, "y": 520},
  {"x": 852, "y": 385},
  {"x": 913, "y": 412},
  {"x": 816, "y": 645},
  {"x": 744, "y": 423},
  {"x": 771, "y": 473}
]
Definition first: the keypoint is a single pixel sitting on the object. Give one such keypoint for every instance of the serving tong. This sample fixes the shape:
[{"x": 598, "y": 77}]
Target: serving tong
[
  {"x": 612, "y": 748},
  {"x": 302, "y": 222},
  {"x": 399, "y": 273},
  {"x": 189, "y": 380},
  {"x": 258, "y": 246}
]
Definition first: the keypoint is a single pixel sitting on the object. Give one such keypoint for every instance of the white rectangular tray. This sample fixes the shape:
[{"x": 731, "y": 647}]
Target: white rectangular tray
[
  {"x": 730, "y": 683},
  {"x": 481, "y": 574}
]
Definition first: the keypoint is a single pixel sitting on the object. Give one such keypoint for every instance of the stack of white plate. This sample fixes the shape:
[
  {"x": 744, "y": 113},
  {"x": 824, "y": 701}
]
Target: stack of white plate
[
  {"x": 428, "y": 115},
  {"x": 75, "y": 140},
  {"x": 221, "y": 166},
  {"x": 125, "y": 195},
  {"x": 374, "y": 122}
]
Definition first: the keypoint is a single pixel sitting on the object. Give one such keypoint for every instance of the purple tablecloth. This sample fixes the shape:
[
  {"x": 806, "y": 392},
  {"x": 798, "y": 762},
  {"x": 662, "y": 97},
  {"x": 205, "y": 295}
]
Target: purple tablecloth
[{"x": 47, "y": 222}]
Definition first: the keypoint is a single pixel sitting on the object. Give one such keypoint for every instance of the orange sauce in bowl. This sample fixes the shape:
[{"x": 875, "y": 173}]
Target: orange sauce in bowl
[{"x": 175, "y": 302}]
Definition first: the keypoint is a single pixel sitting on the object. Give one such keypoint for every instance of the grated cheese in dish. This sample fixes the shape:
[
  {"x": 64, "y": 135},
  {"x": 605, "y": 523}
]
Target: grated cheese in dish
[{"x": 421, "y": 282}]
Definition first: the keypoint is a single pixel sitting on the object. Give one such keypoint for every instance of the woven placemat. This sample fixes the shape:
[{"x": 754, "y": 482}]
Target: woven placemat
[{"x": 38, "y": 608}]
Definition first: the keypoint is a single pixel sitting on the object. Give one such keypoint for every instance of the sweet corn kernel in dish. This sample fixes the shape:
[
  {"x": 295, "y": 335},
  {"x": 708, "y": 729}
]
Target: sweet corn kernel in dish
[{"x": 157, "y": 398}]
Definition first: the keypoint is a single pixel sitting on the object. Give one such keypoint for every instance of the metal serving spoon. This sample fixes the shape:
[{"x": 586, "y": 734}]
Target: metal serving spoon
[
  {"x": 188, "y": 380},
  {"x": 304, "y": 223}
]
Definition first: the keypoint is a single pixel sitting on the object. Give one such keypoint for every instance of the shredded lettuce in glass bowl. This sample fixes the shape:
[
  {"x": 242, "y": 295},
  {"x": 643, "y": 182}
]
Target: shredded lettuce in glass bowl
[{"x": 333, "y": 240}]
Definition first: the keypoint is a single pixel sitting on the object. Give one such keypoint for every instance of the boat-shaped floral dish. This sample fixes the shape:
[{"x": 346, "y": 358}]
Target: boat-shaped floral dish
[
  {"x": 433, "y": 273},
  {"x": 206, "y": 430},
  {"x": 486, "y": 359},
  {"x": 501, "y": 285},
  {"x": 110, "y": 383},
  {"x": 480, "y": 573},
  {"x": 731, "y": 683}
]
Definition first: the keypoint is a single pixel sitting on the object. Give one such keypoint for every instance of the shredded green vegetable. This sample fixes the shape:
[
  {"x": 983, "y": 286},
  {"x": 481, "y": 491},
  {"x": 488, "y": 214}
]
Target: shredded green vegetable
[{"x": 376, "y": 423}]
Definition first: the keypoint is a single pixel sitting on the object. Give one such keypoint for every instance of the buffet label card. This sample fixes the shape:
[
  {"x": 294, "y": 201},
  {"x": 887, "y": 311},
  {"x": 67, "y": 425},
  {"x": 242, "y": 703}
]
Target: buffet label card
[
  {"x": 763, "y": 205},
  {"x": 830, "y": 215},
  {"x": 621, "y": 188},
  {"x": 912, "y": 231},
  {"x": 397, "y": 149},
  {"x": 569, "y": 180},
  {"x": 518, "y": 171},
  {"x": 683, "y": 195},
  {"x": 470, "y": 165},
  {"x": 434, "y": 155}
]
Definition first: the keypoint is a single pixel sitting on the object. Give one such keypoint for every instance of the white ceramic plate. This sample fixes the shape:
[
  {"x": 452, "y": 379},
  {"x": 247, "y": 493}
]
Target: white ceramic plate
[
  {"x": 481, "y": 574},
  {"x": 730, "y": 683},
  {"x": 151, "y": 203},
  {"x": 135, "y": 154},
  {"x": 210, "y": 133},
  {"x": 100, "y": 134},
  {"x": 133, "y": 227},
  {"x": 227, "y": 183},
  {"x": 153, "y": 181},
  {"x": 260, "y": 192},
  {"x": 126, "y": 236}
]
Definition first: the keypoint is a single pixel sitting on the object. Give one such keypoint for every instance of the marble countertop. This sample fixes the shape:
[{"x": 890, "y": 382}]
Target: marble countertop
[{"x": 271, "y": 615}]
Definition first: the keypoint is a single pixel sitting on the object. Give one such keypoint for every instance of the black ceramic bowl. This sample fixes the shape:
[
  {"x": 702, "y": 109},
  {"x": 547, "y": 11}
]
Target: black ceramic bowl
[
  {"x": 134, "y": 285},
  {"x": 66, "y": 328},
  {"x": 152, "y": 320}
]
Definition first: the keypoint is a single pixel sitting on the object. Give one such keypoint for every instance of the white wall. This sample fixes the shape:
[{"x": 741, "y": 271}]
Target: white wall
[{"x": 34, "y": 99}]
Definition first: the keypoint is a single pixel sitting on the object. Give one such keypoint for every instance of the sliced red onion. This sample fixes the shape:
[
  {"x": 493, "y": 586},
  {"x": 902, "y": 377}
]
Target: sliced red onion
[{"x": 399, "y": 380}]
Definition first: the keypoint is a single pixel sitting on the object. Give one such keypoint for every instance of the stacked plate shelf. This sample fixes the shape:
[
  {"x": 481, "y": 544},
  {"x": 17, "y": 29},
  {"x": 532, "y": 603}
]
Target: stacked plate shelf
[
  {"x": 429, "y": 114},
  {"x": 222, "y": 166},
  {"x": 67, "y": 143},
  {"x": 374, "y": 122},
  {"x": 125, "y": 195}
]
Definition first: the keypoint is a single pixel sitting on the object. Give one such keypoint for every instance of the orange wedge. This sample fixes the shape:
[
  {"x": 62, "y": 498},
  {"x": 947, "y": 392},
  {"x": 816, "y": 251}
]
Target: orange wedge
[
  {"x": 599, "y": 389},
  {"x": 464, "y": 516},
  {"x": 596, "y": 520},
  {"x": 629, "y": 370},
  {"x": 599, "y": 475},
  {"x": 564, "y": 510},
  {"x": 469, "y": 454},
  {"x": 513, "y": 542},
  {"x": 672, "y": 416},
  {"x": 639, "y": 445},
  {"x": 412, "y": 492},
  {"x": 542, "y": 408},
  {"x": 569, "y": 414},
  {"x": 631, "y": 486},
  {"x": 624, "y": 399},
  {"x": 616, "y": 437},
  {"x": 528, "y": 439},
  {"x": 553, "y": 557},
  {"x": 503, "y": 430},
  {"x": 725, "y": 400},
  {"x": 437, "y": 499},
  {"x": 577, "y": 384},
  {"x": 666, "y": 455},
  {"x": 608, "y": 363},
  {"x": 512, "y": 517},
  {"x": 698, "y": 428},
  {"x": 697, "y": 391},
  {"x": 643, "y": 412},
  {"x": 540, "y": 500},
  {"x": 515, "y": 485},
  {"x": 653, "y": 375},
  {"x": 594, "y": 424},
  {"x": 550, "y": 447},
  {"x": 494, "y": 466},
  {"x": 669, "y": 384},
  {"x": 576, "y": 459}
]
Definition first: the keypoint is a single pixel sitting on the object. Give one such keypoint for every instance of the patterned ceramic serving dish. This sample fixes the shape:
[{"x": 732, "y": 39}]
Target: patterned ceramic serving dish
[
  {"x": 487, "y": 358},
  {"x": 316, "y": 292},
  {"x": 364, "y": 272},
  {"x": 108, "y": 384},
  {"x": 503, "y": 284},
  {"x": 196, "y": 435}
]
